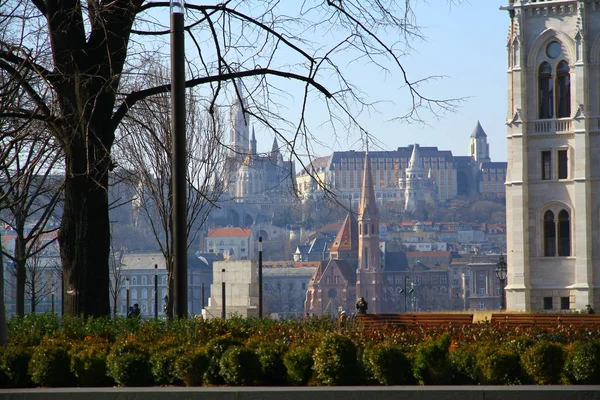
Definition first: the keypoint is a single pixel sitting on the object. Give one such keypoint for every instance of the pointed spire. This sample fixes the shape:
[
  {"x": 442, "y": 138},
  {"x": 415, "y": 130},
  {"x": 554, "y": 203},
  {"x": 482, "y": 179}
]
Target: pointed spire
[
  {"x": 368, "y": 207},
  {"x": 253, "y": 143},
  {"x": 275, "y": 147},
  {"x": 478, "y": 131},
  {"x": 415, "y": 158}
]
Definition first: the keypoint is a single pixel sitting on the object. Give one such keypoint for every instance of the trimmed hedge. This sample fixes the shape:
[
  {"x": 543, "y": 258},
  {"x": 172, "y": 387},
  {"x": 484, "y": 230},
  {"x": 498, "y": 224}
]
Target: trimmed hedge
[{"x": 46, "y": 351}]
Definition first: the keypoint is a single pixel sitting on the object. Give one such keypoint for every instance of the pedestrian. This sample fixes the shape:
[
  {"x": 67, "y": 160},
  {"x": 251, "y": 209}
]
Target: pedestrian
[
  {"x": 343, "y": 319},
  {"x": 130, "y": 312},
  {"x": 136, "y": 310},
  {"x": 589, "y": 309}
]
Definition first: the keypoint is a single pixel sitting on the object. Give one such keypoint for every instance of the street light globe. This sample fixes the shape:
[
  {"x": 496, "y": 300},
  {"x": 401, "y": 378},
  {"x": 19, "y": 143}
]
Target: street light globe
[{"x": 501, "y": 268}]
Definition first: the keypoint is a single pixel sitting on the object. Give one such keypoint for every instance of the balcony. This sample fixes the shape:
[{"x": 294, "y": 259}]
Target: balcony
[{"x": 541, "y": 126}]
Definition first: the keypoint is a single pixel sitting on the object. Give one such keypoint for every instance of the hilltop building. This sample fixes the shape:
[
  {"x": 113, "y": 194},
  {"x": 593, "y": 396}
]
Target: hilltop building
[
  {"x": 409, "y": 176},
  {"x": 552, "y": 186}
]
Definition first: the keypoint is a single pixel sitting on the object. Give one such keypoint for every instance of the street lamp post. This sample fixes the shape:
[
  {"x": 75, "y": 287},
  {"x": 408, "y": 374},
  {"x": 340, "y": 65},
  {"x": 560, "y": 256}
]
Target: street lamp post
[
  {"x": 501, "y": 275},
  {"x": 260, "y": 278},
  {"x": 52, "y": 298},
  {"x": 155, "y": 291},
  {"x": 223, "y": 313},
  {"x": 127, "y": 296},
  {"x": 406, "y": 292}
]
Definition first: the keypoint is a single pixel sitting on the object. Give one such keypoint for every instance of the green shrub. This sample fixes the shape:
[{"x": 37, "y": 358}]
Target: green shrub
[
  {"x": 214, "y": 350},
  {"x": 3, "y": 377},
  {"x": 335, "y": 361},
  {"x": 50, "y": 365},
  {"x": 273, "y": 371},
  {"x": 544, "y": 362},
  {"x": 463, "y": 361},
  {"x": 240, "y": 366},
  {"x": 88, "y": 365},
  {"x": 583, "y": 363},
  {"x": 388, "y": 365},
  {"x": 431, "y": 364},
  {"x": 15, "y": 364},
  {"x": 496, "y": 366},
  {"x": 299, "y": 364},
  {"x": 191, "y": 366},
  {"x": 163, "y": 366},
  {"x": 128, "y": 364}
]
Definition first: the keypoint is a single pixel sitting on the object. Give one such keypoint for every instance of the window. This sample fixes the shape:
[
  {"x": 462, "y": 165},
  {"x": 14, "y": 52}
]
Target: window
[
  {"x": 546, "y": 165},
  {"x": 337, "y": 279},
  {"x": 546, "y": 91},
  {"x": 563, "y": 90},
  {"x": 549, "y": 234},
  {"x": 481, "y": 290},
  {"x": 482, "y": 305},
  {"x": 327, "y": 280},
  {"x": 557, "y": 234},
  {"x": 144, "y": 280},
  {"x": 564, "y": 234},
  {"x": 562, "y": 164},
  {"x": 134, "y": 280},
  {"x": 564, "y": 303},
  {"x": 547, "y": 303},
  {"x": 144, "y": 293}
]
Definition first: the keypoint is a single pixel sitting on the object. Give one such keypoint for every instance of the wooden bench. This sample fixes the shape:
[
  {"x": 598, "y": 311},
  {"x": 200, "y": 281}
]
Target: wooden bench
[
  {"x": 544, "y": 319},
  {"x": 413, "y": 319}
]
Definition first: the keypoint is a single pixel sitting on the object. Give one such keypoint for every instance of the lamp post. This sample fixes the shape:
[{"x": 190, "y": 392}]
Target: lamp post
[
  {"x": 406, "y": 292},
  {"x": 501, "y": 275},
  {"x": 260, "y": 278},
  {"x": 52, "y": 297},
  {"x": 127, "y": 296},
  {"x": 223, "y": 313},
  {"x": 178, "y": 166},
  {"x": 155, "y": 291}
]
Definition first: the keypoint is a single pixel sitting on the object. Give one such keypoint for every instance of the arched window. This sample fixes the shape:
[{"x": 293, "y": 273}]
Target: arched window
[
  {"x": 134, "y": 280},
  {"x": 557, "y": 234},
  {"x": 564, "y": 234},
  {"x": 144, "y": 293},
  {"x": 144, "y": 280},
  {"x": 546, "y": 91},
  {"x": 563, "y": 90},
  {"x": 549, "y": 234}
]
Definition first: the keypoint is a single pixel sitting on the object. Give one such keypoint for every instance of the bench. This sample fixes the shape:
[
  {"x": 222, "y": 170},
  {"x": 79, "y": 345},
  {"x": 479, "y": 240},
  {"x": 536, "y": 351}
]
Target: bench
[
  {"x": 544, "y": 320},
  {"x": 413, "y": 319}
]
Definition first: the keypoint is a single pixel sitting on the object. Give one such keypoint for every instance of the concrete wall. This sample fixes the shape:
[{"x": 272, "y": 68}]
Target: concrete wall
[{"x": 314, "y": 393}]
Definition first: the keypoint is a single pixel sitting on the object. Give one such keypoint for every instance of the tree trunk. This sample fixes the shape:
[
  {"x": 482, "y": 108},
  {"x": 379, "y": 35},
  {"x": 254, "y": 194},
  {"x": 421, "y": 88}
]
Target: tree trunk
[
  {"x": 3, "y": 334},
  {"x": 21, "y": 274},
  {"x": 84, "y": 235}
]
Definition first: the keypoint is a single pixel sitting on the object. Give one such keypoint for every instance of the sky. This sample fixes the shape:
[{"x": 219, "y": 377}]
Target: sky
[{"x": 466, "y": 44}]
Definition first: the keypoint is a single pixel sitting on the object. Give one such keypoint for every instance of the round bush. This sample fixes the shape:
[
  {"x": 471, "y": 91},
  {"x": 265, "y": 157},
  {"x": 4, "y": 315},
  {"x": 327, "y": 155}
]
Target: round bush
[
  {"x": 128, "y": 365},
  {"x": 583, "y": 363},
  {"x": 15, "y": 364},
  {"x": 463, "y": 361},
  {"x": 299, "y": 364},
  {"x": 214, "y": 350},
  {"x": 163, "y": 366},
  {"x": 191, "y": 366},
  {"x": 273, "y": 371},
  {"x": 50, "y": 366},
  {"x": 335, "y": 361},
  {"x": 388, "y": 365},
  {"x": 240, "y": 366},
  {"x": 544, "y": 362},
  {"x": 88, "y": 365},
  {"x": 498, "y": 367},
  {"x": 431, "y": 364}
]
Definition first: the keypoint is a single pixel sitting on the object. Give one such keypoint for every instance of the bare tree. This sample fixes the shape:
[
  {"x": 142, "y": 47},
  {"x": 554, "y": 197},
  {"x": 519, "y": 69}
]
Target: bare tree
[
  {"x": 78, "y": 65},
  {"x": 32, "y": 189},
  {"x": 145, "y": 148}
]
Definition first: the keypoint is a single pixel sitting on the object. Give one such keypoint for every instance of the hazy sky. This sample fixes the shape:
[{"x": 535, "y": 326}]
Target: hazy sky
[{"x": 467, "y": 45}]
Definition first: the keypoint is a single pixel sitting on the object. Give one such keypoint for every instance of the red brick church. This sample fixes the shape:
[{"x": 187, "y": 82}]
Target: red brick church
[{"x": 354, "y": 268}]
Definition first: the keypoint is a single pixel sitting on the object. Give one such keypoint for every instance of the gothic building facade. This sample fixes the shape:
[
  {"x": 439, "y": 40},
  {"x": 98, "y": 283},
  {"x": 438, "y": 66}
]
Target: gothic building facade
[
  {"x": 263, "y": 180},
  {"x": 354, "y": 269},
  {"x": 552, "y": 183}
]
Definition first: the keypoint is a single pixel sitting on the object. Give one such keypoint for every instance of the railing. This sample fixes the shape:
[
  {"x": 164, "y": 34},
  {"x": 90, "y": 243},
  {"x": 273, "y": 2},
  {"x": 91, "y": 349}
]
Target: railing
[{"x": 562, "y": 125}]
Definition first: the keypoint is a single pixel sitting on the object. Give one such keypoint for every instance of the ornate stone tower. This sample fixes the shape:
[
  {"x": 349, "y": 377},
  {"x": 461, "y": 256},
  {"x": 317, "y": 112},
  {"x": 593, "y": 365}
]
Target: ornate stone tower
[
  {"x": 417, "y": 183},
  {"x": 239, "y": 133},
  {"x": 479, "y": 148},
  {"x": 553, "y": 177},
  {"x": 369, "y": 275}
]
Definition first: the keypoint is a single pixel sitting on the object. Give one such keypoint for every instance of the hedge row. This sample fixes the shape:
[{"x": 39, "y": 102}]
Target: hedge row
[{"x": 44, "y": 351}]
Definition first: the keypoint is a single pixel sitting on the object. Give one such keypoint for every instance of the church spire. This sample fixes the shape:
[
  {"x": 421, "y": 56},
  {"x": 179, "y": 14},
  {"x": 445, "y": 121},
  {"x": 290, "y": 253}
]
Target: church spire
[
  {"x": 253, "y": 143},
  {"x": 367, "y": 207}
]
